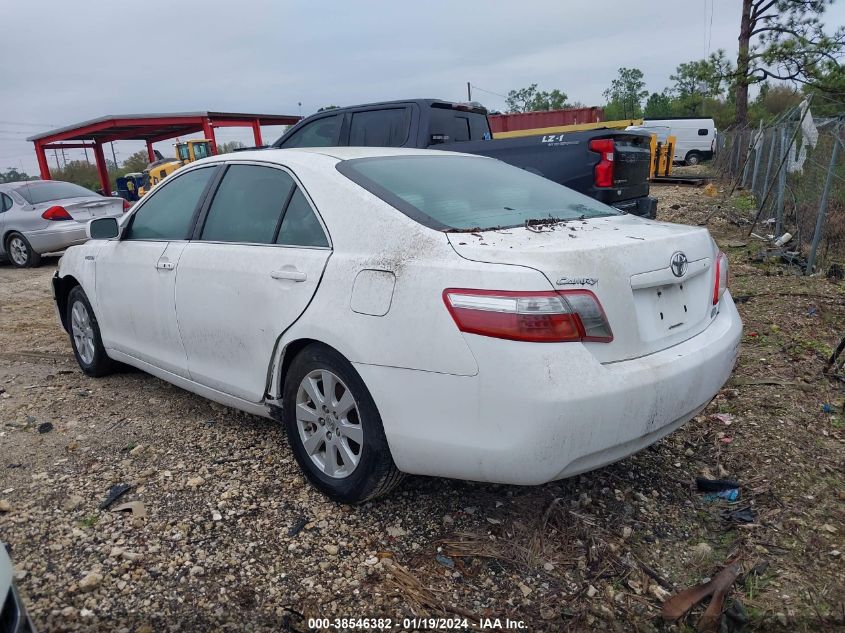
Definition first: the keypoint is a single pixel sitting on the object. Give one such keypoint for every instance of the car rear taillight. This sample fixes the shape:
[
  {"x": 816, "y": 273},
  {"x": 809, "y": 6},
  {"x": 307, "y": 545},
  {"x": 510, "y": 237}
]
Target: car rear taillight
[
  {"x": 720, "y": 283},
  {"x": 537, "y": 317},
  {"x": 603, "y": 174},
  {"x": 56, "y": 213},
  {"x": 126, "y": 205}
]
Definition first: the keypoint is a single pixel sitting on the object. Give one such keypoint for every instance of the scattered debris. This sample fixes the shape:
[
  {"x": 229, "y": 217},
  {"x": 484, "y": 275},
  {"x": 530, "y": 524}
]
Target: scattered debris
[
  {"x": 702, "y": 484},
  {"x": 135, "y": 507},
  {"x": 115, "y": 493},
  {"x": 736, "y": 617},
  {"x": 740, "y": 515},
  {"x": 724, "y": 418},
  {"x": 727, "y": 495},
  {"x": 681, "y": 603},
  {"x": 294, "y": 529},
  {"x": 5, "y": 506},
  {"x": 45, "y": 427},
  {"x": 783, "y": 239},
  {"x": 444, "y": 560}
]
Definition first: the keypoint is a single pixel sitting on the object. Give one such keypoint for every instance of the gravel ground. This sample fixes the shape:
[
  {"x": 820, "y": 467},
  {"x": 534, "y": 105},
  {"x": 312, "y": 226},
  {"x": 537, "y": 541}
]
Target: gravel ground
[{"x": 234, "y": 539}]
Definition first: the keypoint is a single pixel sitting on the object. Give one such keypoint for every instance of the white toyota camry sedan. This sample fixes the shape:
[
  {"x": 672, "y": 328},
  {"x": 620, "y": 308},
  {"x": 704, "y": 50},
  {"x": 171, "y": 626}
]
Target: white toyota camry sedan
[{"x": 405, "y": 311}]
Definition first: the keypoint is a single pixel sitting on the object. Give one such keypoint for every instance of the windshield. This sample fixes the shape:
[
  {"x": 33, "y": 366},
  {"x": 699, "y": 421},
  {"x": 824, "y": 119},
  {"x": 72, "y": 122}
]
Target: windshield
[
  {"x": 201, "y": 150},
  {"x": 453, "y": 192},
  {"x": 48, "y": 190}
]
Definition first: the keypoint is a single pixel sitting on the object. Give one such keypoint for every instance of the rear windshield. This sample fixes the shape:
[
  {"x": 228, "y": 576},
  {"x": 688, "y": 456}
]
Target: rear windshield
[
  {"x": 458, "y": 193},
  {"x": 48, "y": 190}
]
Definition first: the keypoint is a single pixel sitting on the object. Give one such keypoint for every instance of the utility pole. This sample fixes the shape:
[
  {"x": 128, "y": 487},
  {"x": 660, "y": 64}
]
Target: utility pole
[
  {"x": 56, "y": 156},
  {"x": 469, "y": 92},
  {"x": 64, "y": 158},
  {"x": 85, "y": 149},
  {"x": 113, "y": 156}
]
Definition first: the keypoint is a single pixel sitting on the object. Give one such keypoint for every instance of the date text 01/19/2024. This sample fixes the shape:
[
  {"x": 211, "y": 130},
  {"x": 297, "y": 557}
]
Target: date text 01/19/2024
[{"x": 432, "y": 624}]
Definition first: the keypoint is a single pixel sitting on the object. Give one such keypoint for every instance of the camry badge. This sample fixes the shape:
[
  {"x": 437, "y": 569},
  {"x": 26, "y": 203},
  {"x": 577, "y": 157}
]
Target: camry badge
[{"x": 678, "y": 263}]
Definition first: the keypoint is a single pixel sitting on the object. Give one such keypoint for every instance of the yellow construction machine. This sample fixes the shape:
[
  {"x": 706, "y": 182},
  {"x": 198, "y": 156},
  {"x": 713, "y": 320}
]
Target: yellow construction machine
[{"x": 186, "y": 152}]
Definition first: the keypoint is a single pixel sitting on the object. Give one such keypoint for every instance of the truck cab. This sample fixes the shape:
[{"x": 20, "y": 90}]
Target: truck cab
[{"x": 609, "y": 165}]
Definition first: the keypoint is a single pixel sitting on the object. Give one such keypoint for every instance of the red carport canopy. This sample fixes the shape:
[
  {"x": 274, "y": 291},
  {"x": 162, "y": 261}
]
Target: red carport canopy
[{"x": 145, "y": 127}]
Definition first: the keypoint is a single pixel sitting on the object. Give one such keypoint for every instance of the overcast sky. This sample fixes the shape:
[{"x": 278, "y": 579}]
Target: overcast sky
[{"x": 63, "y": 61}]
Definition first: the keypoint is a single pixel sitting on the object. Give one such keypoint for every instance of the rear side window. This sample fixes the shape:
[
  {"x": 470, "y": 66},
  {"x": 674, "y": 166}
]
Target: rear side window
[
  {"x": 453, "y": 192},
  {"x": 703, "y": 132},
  {"x": 379, "y": 128},
  {"x": 319, "y": 133},
  {"x": 168, "y": 214},
  {"x": 300, "y": 226},
  {"x": 449, "y": 126},
  {"x": 248, "y": 205},
  {"x": 5, "y": 202}
]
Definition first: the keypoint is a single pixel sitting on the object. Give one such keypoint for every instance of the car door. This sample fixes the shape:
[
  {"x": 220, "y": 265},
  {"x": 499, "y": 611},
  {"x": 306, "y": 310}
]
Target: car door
[
  {"x": 136, "y": 275},
  {"x": 256, "y": 259},
  {"x": 5, "y": 205}
]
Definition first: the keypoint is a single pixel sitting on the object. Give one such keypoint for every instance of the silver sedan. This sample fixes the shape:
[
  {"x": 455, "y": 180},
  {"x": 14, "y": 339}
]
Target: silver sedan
[{"x": 45, "y": 216}]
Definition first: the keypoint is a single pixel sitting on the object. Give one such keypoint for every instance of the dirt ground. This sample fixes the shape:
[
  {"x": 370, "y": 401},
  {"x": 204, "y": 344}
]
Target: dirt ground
[{"x": 234, "y": 538}]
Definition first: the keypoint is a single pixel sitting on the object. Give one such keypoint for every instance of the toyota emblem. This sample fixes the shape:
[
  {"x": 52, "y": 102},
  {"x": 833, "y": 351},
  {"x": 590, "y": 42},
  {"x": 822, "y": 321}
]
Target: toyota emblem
[{"x": 678, "y": 264}]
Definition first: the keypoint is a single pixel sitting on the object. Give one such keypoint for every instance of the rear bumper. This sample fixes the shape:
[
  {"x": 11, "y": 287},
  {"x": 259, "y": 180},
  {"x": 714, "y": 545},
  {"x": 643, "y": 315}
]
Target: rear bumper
[
  {"x": 645, "y": 207},
  {"x": 58, "y": 237},
  {"x": 540, "y": 412}
]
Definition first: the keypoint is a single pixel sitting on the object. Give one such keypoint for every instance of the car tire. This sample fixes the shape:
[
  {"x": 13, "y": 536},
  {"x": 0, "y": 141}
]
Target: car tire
[
  {"x": 85, "y": 337},
  {"x": 20, "y": 253},
  {"x": 325, "y": 429},
  {"x": 692, "y": 158}
]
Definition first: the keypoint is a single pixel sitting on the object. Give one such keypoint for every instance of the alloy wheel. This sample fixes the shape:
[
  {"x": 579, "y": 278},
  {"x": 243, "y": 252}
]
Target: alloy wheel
[
  {"x": 329, "y": 423},
  {"x": 83, "y": 332},
  {"x": 18, "y": 251}
]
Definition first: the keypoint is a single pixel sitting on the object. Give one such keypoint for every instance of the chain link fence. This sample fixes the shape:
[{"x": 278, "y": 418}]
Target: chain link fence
[{"x": 794, "y": 171}]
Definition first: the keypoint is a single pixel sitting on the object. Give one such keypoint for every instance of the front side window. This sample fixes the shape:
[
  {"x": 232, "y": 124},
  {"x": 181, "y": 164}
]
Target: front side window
[
  {"x": 464, "y": 192},
  {"x": 379, "y": 128},
  {"x": 169, "y": 212},
  {"x": 319, "y": 133},
  {"x": 248, "y": 205},
  {"x": 300, "y": 227},
  {"x": 183, "y": 151}
]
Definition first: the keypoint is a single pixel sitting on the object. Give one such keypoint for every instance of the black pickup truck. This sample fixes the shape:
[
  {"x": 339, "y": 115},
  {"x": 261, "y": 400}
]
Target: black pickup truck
[{"x": 609, "y": 165}]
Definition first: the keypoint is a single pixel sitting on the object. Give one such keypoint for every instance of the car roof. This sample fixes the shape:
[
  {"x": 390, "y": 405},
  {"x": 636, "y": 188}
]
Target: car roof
[{"x": 302, "y": 155}]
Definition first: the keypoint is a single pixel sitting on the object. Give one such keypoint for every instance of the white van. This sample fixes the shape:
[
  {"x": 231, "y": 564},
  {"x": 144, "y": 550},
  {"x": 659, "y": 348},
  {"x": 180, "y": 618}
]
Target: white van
[{"x": 695, "y": 138}]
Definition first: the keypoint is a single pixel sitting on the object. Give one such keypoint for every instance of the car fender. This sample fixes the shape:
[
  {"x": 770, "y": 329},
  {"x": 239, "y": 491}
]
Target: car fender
[{"x": 79, "y": 262}]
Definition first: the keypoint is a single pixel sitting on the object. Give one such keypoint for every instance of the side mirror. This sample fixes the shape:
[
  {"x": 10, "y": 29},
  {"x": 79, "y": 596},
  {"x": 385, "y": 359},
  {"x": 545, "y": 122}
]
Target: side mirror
[{"x": 103, "y": 229}]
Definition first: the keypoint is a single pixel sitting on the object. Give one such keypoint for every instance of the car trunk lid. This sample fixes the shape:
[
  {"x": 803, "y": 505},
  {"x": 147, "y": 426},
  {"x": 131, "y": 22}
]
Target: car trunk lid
[
  {"x": 627, "y": 262},
  {"x": 85, "y": 208}
]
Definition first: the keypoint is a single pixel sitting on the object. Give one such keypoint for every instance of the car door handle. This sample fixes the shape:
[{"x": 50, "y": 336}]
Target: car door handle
[
  {"x": 289, "y": 273},
  {"x": 165, "y": 265}
]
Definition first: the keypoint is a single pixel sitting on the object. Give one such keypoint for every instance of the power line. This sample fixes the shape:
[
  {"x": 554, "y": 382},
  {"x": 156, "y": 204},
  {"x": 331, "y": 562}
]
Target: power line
[
  {"x": 490, "y": 92},
  {"x": 710, "y": 32},
  {"x": 26, "y": 123}
]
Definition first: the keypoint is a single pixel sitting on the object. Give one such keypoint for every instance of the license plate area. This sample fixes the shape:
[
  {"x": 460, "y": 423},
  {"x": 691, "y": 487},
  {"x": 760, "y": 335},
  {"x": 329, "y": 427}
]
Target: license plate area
[{"x": 667, "y": 309}]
